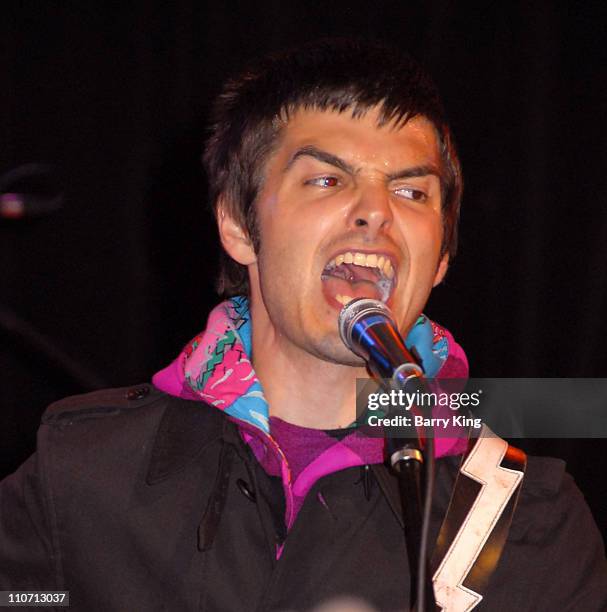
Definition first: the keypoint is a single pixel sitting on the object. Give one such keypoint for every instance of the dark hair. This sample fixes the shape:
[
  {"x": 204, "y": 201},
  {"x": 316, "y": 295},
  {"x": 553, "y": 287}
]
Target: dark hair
[{"x": 333, "y": 74}]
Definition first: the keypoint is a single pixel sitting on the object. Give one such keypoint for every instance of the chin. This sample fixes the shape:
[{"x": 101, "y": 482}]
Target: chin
[{"x": 334, "y": 351}]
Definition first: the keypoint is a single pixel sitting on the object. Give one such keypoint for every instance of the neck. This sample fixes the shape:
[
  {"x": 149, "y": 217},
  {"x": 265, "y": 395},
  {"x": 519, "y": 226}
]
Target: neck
[{"x": 300, "y": 388}]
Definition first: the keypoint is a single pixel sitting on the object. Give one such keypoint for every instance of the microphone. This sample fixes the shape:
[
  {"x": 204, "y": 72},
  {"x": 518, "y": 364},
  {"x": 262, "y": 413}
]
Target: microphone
[{"x": 367, "y": 328}]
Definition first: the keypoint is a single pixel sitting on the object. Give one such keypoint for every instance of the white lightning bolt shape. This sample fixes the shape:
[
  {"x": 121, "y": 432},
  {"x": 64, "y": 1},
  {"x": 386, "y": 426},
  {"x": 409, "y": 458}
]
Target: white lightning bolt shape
[{"x": 498, "y": 485}]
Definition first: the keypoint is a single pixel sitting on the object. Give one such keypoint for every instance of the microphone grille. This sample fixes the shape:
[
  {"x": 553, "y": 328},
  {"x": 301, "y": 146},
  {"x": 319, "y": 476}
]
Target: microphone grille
[{"x": 353, "y": 311}]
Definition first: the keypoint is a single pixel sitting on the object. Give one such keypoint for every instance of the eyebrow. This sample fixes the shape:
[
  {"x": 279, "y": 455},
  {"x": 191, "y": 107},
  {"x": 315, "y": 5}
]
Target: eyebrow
[
  {"x": 413, "y": 171},
  {"x": 338, "y": 162},
  {"x": 322, "y": 156}
]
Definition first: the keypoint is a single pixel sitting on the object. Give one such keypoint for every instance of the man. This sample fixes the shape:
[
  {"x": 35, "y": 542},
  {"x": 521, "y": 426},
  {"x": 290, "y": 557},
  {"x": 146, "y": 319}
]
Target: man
[{"x": 237, "y": 481}]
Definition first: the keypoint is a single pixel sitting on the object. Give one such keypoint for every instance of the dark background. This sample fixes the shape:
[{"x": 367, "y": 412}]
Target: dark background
[{"x": 122, "y": 276}]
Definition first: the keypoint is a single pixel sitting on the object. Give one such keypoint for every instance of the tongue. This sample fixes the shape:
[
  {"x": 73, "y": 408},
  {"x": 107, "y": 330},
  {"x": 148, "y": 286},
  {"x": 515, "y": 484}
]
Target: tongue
[
  {"x": 359, "y": 273},
  {"x": 333, "y": 287}
]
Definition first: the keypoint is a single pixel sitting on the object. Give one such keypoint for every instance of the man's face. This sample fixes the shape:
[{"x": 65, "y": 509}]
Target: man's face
[{"x": 347, "y": 209}]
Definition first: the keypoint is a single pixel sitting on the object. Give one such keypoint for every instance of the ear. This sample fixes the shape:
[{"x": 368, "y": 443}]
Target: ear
[
  {"x": 234, "y": 238},
  {"x": 443, "y": 266}
]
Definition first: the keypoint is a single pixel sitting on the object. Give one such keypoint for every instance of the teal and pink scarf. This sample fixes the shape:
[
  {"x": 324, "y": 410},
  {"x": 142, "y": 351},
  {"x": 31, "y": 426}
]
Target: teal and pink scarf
[{"x": 215, "y": 367}]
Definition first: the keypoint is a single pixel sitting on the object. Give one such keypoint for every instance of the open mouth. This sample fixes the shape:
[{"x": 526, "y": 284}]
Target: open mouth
[{"x": 353, "y": 275}]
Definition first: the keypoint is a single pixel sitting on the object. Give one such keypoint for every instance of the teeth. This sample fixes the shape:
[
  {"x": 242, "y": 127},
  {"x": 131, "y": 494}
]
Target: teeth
[
  {"x": 360, "y": 259},
  {"x": 368, "y": 261},
  {"x": 371, "y": 261},
  {"x": 343, "y": 299}
]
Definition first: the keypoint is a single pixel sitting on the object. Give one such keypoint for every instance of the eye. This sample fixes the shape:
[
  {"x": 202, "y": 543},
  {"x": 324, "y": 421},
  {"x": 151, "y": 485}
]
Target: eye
[
  {"x": 324, "y": 181},
  {"x": 410, "y": 193}
]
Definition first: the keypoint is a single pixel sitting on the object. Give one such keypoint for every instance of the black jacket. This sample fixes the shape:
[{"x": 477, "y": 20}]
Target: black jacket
[{"x": 136, "y": 500}]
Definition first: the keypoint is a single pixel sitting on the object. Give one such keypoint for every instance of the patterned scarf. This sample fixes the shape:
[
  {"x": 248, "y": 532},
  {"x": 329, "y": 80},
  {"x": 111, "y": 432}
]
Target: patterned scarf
[{"x": 214, "y": 367}]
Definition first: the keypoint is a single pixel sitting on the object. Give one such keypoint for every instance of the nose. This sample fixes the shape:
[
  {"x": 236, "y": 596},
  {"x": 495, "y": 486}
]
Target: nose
[{"x": 372, "y": 210}]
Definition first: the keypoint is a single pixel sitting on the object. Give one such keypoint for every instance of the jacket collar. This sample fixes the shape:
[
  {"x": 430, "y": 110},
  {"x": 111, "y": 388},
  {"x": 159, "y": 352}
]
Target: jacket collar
[{"x": 186, "y": 429}]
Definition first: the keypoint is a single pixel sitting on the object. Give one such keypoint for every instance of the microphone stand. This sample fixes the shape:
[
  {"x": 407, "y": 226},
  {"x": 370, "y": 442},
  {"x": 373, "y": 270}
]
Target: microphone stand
[
  {"x": 414, "y": 465},
  {"x": 367, "y": 328},
  {"x": 38, "y": 344}
]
